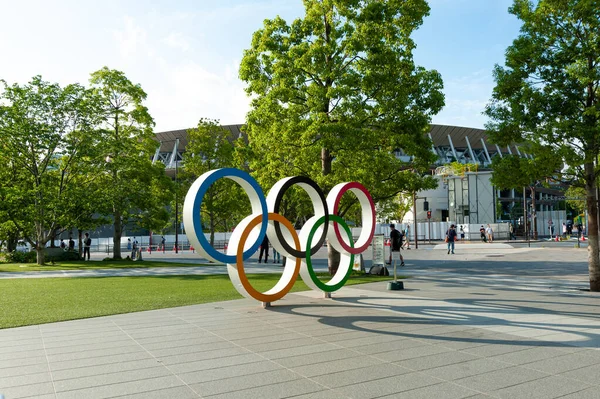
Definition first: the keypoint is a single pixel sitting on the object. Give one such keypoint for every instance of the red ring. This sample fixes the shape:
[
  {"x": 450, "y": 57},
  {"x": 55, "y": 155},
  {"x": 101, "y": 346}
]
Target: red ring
[{"x": 362, "y": 188}]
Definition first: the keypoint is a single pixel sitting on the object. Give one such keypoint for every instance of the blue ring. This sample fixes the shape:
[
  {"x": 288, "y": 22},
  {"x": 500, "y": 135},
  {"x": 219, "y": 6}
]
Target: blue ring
[{"x": 216, "y": 175}]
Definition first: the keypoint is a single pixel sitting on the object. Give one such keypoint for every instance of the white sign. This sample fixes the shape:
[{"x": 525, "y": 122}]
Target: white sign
[{"x": 378, "y": 250}]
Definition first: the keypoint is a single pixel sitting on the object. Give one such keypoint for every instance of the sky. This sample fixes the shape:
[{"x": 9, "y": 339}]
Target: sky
[{"x": 185, "y": 54}]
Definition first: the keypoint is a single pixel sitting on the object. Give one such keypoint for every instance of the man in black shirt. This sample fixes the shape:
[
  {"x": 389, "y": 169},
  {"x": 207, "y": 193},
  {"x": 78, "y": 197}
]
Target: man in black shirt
[{"x": 396, "y": 243}]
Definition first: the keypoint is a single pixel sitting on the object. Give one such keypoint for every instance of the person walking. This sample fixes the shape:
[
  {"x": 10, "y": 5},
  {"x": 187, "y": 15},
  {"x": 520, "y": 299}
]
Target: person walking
[
  {"x": 264, "y": 249},
  {"x": 87, "y": 244},
  {"x": 276, "y": 256},
  {"x": 511, "y": 230},
  {"x": 71, "y": 244},
  {"x": 490, "y": 233},
  {"x": 396, "y": 243},
  {"x": 134, "y": 247},
  {"x": 450, "y": 238},
  {"x": 482, "y": 233},
  {"x": 462, "y": 233},
  {"x": 564, "y": 230}
]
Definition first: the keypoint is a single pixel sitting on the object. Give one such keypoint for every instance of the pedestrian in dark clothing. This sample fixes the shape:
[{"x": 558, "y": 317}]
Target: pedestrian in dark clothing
[
  {"x": 71, "y": 244},
  {"x": 396, "y": 243},
  {"x": 482, "y": 233},
  {"x": 450, "y": 238},
  {"x": 87, "y": 243},
  {"x": 264, "y": 249}
]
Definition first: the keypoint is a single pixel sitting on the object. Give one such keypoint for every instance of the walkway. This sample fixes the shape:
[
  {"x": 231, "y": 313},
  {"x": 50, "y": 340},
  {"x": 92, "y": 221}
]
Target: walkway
[{"x": 467, "y": 326}]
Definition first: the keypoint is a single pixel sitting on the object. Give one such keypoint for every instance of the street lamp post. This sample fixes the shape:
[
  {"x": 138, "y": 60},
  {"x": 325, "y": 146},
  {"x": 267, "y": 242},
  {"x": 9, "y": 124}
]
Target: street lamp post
[{"x": 176, "y": 199}]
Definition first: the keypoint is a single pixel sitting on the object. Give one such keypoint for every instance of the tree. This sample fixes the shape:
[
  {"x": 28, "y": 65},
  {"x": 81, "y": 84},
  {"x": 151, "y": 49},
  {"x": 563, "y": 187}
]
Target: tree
[
  {"x": 516, "y": 172},
  {"x": 395, "y": 208},
  {"x": 211, "y": 147},
  {"x": 547, "y": 93},
  {"x": 336, "y": 93},
  {"x": 43, "y": 131},
  {"x": 134, "y": 190}
]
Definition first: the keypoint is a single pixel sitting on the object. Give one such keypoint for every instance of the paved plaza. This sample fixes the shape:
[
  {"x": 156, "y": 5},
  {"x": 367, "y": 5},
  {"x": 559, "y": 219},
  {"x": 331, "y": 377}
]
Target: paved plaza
[{"x": 497, "y": 322}]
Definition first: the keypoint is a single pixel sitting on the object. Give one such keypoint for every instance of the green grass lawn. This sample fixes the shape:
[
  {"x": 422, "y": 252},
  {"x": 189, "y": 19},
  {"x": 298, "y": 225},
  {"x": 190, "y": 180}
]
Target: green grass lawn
[
  {"x": 104, "y": 264},
  {"x": 45, "y": 300}
]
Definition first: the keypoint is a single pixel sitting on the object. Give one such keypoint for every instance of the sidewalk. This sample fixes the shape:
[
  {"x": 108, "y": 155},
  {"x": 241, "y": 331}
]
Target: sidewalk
[{"x": 448, "y": 335}]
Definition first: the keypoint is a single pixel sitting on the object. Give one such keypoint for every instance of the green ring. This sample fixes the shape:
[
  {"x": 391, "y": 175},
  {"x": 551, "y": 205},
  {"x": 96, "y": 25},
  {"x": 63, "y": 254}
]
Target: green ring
[{"x": 324, "y": 286}]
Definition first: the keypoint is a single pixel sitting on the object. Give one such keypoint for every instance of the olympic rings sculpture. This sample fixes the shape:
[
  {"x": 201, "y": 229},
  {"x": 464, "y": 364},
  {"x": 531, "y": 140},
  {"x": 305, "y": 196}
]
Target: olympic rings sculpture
[{"x": 296, "y": 248}]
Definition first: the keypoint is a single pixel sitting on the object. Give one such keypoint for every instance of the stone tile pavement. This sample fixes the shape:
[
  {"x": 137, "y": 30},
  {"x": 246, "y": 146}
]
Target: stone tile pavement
[{"x": 445, "y": 336}]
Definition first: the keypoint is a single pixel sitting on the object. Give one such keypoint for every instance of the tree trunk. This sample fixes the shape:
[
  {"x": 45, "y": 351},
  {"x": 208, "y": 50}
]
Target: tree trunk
[
  {"x": 117, "y": 236},
  {"x": 39, "y": 249},
  {"x": 39, "y": 243},
  {"x": 592, "y": 210}
]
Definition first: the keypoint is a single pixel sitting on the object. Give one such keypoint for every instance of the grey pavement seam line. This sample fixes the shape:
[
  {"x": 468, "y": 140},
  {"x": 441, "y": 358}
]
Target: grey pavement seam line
[
  {"x": 158, "y": 361},
  {"x": 48, "y": 361}
]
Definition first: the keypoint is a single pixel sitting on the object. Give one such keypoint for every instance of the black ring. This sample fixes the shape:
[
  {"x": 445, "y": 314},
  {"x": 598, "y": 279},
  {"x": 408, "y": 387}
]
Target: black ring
[{"x": 290, "y": 182}]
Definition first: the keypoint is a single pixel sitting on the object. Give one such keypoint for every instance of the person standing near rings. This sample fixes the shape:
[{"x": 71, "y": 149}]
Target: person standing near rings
[
  {"x": 450, "y": 238},
  {"x": 87, "y": 243},
  {"x": 264, "y": 249},
  {"x": 396, "y": 243}
]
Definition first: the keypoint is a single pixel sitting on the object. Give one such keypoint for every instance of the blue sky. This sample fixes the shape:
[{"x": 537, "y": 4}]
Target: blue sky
[{"x": 185, "y": 54}]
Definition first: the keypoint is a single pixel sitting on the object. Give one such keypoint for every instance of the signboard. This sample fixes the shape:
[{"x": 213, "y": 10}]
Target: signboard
[
  {"x": 357, "y": 263},
  {"x": 378, "y": 250}
]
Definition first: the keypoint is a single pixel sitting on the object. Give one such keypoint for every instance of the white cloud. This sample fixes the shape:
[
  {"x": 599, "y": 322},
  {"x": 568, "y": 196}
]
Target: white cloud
[
  {"x": 131, "y": 38},
  {"x": 177, "y": 40}
]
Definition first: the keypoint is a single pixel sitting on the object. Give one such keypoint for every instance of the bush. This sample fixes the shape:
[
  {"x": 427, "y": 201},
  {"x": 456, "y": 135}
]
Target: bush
[
  {"x": 64, "y": 256},
  {"x": 21, "y": 257}
]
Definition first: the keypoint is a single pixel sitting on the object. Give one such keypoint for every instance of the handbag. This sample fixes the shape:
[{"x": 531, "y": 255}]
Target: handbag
[{"x": 446, "y": 239}]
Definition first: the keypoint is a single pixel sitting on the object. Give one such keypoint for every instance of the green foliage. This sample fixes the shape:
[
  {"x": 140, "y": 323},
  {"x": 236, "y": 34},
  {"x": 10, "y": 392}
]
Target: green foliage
[
  {"x": 336, "y": 92},
  {"x": 577, "y": 197},
  {"x": 513, "y": 171},
  {"x": 65, "y": 256},
  {"x": 132, "y": 188},
  {"x": 44, "y": 130},
  {"x": 395, "y": 208},
  {"x": 547, "y": 93},
  {"x": 20, "y": 257},
  {"x": 211, "y": 147}
]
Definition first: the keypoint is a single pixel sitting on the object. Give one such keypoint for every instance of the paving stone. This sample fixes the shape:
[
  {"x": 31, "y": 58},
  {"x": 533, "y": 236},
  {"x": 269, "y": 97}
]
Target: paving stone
[
  {"x": 529, "y": 355},
  {"x": 466, "y": 369},
  {"x": 110, "y": 378},
  {"x": 443, "y": 390},
  {"x": 549, "y": 387},
  {"x": 335, "y": 366},
  {"x": 16, "y": 381},
  {"x": 94, "y": 370},
  {"x": 273, "y": 391},
  {"x": 376, "y": 387},
  {"x": 29, "y": 390},
  {"x": 230, "y": 371},
  {"x": 238, "y": 383},
  {"x": 499, "y": 379},
  {"x": 122, "y": 389},
  {"x": 437, "y": 360},
  {"x": 587, "y": 374},
  {"x": 332, "y": 379},
  {"x": 590, "y": 393},
  {"x": 564, "y": 363},
  {"x": 315, "y": 358}
]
